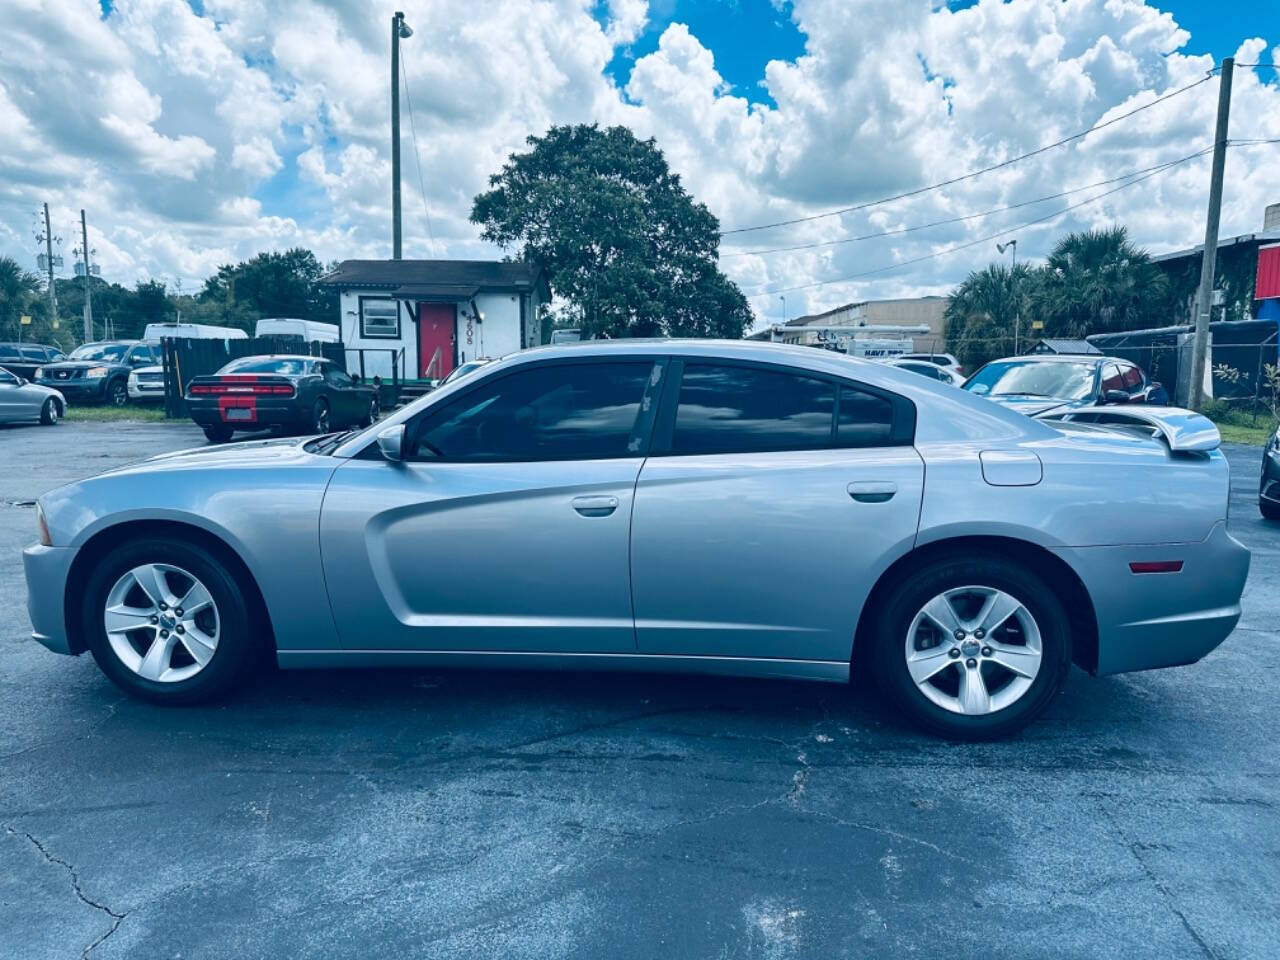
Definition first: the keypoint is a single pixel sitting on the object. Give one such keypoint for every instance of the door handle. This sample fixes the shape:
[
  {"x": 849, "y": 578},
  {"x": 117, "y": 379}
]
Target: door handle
[
  {"x": 872, "y": 491},
  {"x": 595, "y": 506}
]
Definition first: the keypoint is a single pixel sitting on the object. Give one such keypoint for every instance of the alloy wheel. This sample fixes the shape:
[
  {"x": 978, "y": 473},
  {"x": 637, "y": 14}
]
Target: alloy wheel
[
  {"x": 162, "y": 623},
  {"x": 321, "y": 418},
  {"x": 973, "y": 650}
]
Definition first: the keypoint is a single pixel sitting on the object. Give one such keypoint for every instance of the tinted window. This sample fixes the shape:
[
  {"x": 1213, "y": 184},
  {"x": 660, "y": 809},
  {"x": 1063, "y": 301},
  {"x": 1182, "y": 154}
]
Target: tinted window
[
  {"x": 34, "y": 353},
  {"x": 8, "y": 352},
  {"x": 865, "y": 420},
  {"x": 288, "y": 366},
  {"x": 335, "y": 376},
  {"x": 924, "y": 369},
  {"x": 549, "y": 412},
  {"x": 730, "y": 409},
  {"x": 1111, "y": 379}
]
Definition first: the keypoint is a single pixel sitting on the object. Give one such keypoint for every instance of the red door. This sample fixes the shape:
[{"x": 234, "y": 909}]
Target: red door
[{"x": 435, "y": 339}]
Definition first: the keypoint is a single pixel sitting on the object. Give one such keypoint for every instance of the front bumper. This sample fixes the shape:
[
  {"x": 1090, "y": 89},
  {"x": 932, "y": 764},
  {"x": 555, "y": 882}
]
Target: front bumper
[
  {"x": 146, "y": 391},
  {"x": 81, "y": 389},
  {"x": 1155, "y": 620},
  {"x": 47, "y": 569}
]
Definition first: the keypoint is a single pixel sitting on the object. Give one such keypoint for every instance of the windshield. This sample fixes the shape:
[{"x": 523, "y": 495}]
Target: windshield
[
  {"x": 463, "y": 370},
  {"x": 113, "y": 352},
  {"x": 289, "y": 367},
  {"x": 1062, "y": 381}
]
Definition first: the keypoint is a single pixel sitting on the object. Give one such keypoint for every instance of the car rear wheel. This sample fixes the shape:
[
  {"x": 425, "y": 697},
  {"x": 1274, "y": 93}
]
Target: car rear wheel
[
  {"x": 372, "y": 415},
  {"x": 972, "y": 648},
  {"x": 49, "y": 412},
  {"x": 218, "y": 434},
  {"x": 167, "y": 622},
  {"x": 320, "y": 417},
  {"x": 117, "y": 393}
]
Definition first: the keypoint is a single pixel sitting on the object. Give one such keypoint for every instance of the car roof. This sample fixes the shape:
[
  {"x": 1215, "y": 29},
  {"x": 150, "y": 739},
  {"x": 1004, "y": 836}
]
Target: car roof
[
  {"x": 1064, "y": 358},
  {"x": 280, "y": 356}
]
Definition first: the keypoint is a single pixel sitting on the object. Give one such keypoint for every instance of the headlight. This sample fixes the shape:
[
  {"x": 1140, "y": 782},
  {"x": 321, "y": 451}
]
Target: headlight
[
  {"x": 95, "y": 372},
  {"x": 44, "y": 527},
  {"x": 39, "y": 374}
]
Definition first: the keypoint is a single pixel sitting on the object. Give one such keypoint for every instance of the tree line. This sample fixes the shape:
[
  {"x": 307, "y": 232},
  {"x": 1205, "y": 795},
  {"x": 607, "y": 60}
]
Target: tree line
[{"x": 272, "y": 284}]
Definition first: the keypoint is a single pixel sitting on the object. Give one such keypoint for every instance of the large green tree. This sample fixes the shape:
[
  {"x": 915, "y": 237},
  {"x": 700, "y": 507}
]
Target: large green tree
[
  {"x": 628, "y": 252},
  {"x": 270, "y": 285},
  {"x": 19, "y": 297},
  {"x": 984, "y": 310},
  {"x": 1098, "y": 281}
]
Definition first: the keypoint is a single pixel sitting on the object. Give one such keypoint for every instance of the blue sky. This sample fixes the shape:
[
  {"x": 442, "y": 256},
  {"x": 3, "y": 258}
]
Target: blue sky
[{"x": 741, "y": 54}]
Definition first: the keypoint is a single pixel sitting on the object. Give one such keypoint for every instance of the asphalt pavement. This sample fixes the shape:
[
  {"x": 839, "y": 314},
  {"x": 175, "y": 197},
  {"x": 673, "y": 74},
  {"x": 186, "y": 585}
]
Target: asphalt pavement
[{"x": 459, "y": 815}]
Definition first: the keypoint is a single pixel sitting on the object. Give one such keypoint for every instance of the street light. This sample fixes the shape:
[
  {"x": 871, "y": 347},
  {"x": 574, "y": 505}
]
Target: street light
[
  {"x": 783, "y": 298},
  {"x": 399, "y": 31},
  {"x": 1012, "y": 247}
]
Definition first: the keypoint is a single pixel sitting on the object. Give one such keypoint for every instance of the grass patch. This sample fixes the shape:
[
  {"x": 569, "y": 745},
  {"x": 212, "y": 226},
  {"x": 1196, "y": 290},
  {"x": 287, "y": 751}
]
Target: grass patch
[
  {"x": 133, "y": 413},
  {"x": 1240, "y": 426}
]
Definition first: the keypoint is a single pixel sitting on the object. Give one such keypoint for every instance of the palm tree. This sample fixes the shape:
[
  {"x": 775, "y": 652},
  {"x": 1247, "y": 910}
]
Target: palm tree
[
  {"x": 1098, "y": 281},
  {"x": 983, "y": 311},
  {"x": 19, "y": 294}
]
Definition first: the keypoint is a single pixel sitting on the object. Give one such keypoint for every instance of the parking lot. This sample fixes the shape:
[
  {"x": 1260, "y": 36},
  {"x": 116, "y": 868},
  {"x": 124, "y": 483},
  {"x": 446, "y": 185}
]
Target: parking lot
[{"x": 453, "y": 814}]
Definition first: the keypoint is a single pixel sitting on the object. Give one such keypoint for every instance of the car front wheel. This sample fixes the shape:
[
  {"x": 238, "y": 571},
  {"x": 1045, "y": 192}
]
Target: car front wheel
[
  {"x": 218, "y": 433},
  {"x": 167, "y": 622},
  {"x": 972, "y": 648},
  {"x": 117, "y": 393},
  {"x": 320, "y": 417},
  {"x": 49, "y": 412}
]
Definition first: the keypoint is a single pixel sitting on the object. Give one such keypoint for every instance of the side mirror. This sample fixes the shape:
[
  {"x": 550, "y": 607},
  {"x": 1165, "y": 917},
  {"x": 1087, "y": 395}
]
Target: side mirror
[
  {"x": 391, "y": 442},
  {"x": 1114, "y": 396}
]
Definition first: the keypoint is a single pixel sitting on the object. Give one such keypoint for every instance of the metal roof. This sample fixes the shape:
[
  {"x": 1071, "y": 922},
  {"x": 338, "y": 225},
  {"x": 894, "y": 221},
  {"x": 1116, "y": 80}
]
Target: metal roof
[
  {"x": 1263, "y": 236},
  {"x": 1066, "y": 346},
  {"x": 453, "y": 274}
]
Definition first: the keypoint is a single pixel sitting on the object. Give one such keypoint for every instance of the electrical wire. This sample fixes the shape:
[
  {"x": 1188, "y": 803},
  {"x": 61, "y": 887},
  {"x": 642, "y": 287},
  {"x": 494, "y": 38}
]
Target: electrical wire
[
  {"x": 966, "y": 217},
  {"x": 417, "y": 159},
  {"x": 975, "y": 173},
  {"x": 984, "y": 239}
]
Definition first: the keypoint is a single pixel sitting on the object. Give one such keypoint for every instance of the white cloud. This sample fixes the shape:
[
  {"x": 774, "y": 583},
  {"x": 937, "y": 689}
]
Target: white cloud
[{"x": 195, "y": 139}]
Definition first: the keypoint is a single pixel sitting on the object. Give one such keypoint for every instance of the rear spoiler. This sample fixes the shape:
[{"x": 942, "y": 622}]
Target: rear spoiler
[{"x": 1182, "y": 430}]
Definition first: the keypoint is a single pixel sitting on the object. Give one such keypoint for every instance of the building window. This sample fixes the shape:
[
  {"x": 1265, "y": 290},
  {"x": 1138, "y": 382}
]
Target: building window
[{"x": 379, "y": 318}]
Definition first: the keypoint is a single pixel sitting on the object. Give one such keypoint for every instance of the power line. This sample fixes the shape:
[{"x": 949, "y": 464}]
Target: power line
[
  {"x": 417, "y": 159},
  {"x": 975, "y": 173},
  {"x": 973, "y": 243},
  {"x": 969, "y": 216}
]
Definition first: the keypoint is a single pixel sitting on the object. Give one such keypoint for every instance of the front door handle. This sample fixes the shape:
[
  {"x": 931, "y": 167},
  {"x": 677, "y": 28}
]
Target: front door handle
[
  {"x": 595, "y": 506},
  {"x": 872, "y": 491}
]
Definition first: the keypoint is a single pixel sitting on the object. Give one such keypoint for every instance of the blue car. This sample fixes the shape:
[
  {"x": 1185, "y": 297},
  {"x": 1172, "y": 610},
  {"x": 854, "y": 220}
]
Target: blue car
[{"x": 1035, "y": 385}]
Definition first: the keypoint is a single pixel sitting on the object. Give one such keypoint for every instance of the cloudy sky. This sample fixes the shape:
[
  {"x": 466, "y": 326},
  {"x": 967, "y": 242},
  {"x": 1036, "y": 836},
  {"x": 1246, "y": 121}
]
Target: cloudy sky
[{"x": 197, "y": 133}]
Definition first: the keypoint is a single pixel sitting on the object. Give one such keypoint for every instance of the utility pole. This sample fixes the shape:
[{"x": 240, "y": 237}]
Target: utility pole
[
  {"x": 50, "y": 263},
  {"x": 399, "y": 30},
  {"x": 88, "y": 294},
  {"x": 1204, "y": 299},
  {"x": 1013, "y": 284}
]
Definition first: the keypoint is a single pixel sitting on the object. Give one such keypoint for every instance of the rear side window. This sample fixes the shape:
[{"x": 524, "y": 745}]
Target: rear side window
[
  {"x": 742, "y": 409},
  {"x": 585, "y": 411}
]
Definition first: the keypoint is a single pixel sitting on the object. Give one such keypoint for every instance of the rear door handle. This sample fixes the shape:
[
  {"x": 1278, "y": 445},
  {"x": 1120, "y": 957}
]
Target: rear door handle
[
  {"x": 872, "y": 491},
  {"x": 595, "y": 506}
]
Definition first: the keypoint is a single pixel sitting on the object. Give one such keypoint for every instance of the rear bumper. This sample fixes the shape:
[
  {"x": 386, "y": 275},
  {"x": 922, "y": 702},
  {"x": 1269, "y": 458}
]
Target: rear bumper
[
  {"x": 47, "y": 569},
  {"x": 256, "y": 413},
  {"x": 1155, "y": 620}
]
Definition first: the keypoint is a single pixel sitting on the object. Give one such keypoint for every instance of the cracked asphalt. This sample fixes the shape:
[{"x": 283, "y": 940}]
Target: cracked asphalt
[{"x": 436, "y": 814}]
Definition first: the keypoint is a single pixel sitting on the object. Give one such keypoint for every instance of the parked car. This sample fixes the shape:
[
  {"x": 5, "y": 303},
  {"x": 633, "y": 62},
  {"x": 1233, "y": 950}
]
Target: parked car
[
  {"x": 308, "y": 331},
  {"x": 294, "y": 393},
  {"x": 1269, "y": 489},
  {"x": 22, "y": 401},
  {"x": 146, "y": 384},
  {"x": 947, "y": 360},
  {"x": 192, "y": 331},
  {"x": 24, "y": 359},
  {"x": 615, "y": 505},
  {"x": 99, "y": 372},
  {"x": 933, "y": 371},
  {"x": 1037, "y": 384}
]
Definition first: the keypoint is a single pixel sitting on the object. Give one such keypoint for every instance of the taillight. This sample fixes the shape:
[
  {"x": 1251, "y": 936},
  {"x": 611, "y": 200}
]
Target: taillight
[{"x": 241, "y": 389}]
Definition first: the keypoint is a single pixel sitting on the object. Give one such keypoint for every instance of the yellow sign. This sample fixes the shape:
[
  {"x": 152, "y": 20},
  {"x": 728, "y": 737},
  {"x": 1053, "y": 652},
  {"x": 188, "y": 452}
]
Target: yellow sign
[
  {"x": 55, "y": 323},
  {"x": 26, "y": 321},
  {"x": 1037, "y": 324}
]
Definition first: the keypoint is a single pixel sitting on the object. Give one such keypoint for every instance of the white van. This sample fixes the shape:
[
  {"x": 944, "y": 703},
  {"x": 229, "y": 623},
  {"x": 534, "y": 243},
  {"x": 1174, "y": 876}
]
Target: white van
[
  {"x": 192, "y": 331},
  {"x": 306, "y": 330}
]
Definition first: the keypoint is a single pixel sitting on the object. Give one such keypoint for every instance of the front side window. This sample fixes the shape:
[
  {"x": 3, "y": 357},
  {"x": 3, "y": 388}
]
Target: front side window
[
  {"x": 379, "y": 317},
  {"x": 742, "y": 409},
  {"x": 1132, "y": 378},
  {"x": 336, "y": 377},
  {"x": 586, "y": 411},
  {"x": 1111, "y": 379}
]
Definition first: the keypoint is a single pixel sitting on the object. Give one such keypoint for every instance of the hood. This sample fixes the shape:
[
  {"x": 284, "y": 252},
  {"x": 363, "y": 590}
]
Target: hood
[{"x": 250, "y": 453}]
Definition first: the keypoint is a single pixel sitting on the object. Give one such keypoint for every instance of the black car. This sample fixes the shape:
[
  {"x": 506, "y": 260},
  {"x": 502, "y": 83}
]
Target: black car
[
  {"x": 99, "y": 372},
  {"x": 23, "y": 359},
  {"x": 1269, "y": 489},
  {"x": 1037, "y": 384},
  {"x": 286, "y": 393}
]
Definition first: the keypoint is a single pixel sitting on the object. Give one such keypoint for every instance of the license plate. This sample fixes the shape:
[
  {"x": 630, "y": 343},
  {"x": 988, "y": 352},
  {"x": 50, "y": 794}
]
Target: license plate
[{"x": 238, "y": 413}]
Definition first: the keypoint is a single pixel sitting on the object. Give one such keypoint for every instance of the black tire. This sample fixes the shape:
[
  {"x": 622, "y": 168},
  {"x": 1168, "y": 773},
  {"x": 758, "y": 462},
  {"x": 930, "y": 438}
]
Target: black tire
[
  {"x": 372, "y": 413},
  {"x": 1269, "y": 510},
  {"x": 117, "y": 394},
  {"x": 320, "y": 419},
  {"x": 218, "y": 433},
  {"x": 909, "y": 596},
  {"x": 237, "y": 643},
  {"x": 49, "y": 413}
]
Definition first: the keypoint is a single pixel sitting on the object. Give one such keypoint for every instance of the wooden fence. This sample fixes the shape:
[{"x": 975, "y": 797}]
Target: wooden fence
[{"x": 185, "y": 359}]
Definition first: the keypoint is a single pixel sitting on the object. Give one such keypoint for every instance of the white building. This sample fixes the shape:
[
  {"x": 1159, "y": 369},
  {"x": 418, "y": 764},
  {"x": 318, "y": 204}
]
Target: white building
[
  {"x": 862, "y": 318},
  {"x": 421, "y": 318}
]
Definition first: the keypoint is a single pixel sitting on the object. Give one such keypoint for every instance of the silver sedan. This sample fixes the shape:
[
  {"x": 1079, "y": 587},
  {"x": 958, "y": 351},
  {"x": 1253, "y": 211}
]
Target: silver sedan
[
  {"x": 715, "y": 507},
  {"x": 24, "y": 402}
]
